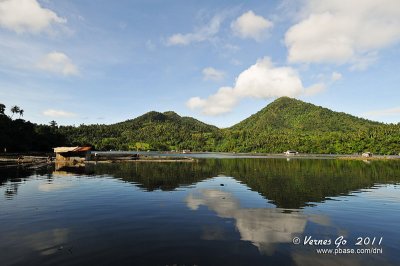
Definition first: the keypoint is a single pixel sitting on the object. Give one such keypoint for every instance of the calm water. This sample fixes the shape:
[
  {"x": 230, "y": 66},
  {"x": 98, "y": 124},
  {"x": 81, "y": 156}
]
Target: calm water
[{"x": 211, "y": 212}]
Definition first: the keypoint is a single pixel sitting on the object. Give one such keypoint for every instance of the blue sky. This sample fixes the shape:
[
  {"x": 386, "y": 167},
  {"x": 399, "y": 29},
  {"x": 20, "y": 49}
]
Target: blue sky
[{"x": 218, "y": 61}]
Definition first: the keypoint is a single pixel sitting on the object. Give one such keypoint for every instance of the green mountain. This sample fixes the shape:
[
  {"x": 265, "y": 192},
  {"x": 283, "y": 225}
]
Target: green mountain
[
  {"x": 167, "y": 119},
  {"x": 153, "y": 130},
  {"x": 167, "y": 131},
  {"x": 284, "y": 124},
  {"x": 288, "y": 123},
  {"x": 290, "y": 114}
]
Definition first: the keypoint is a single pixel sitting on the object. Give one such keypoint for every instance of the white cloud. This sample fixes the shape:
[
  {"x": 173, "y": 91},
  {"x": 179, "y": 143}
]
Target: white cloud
[
  {"x": 262, "y": 80},
  {"x": 210, "y": 73},
  {"x": 58, "y": 63},
  {"x": 315, "y": 89},
  {"x": 27, "y": 16},
  {"x": 336, "y": 76},
  {"x": 204, "y": 33},
  {"x": 250, "y": 25},
  {"x": 221, "y": 102},
  {"x": 384, "y": 112},
  {"x": 57, "y": 113},
  {"x": 336, "y": 31},
  {"x": 360, "y": 63}
]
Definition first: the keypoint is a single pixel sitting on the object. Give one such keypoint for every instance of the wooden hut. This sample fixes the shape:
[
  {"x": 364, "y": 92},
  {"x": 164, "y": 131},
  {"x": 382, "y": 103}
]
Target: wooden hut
[{"x": 72, "y": 154}]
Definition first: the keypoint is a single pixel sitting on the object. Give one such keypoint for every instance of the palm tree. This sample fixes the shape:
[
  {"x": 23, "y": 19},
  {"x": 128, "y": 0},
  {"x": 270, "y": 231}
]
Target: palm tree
[
  {"x": 2, "y": 109},
  {"x": 15, "y": 110},
  {"x": 21, "y": 113}
]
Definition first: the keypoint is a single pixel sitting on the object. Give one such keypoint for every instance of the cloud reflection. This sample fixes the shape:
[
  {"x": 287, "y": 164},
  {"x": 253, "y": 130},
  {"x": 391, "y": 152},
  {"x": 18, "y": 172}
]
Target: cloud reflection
[
  {"x": 263, "y": 227},
  {"x": 47, "y": 242},
  {"x": 48, "y": 187}
]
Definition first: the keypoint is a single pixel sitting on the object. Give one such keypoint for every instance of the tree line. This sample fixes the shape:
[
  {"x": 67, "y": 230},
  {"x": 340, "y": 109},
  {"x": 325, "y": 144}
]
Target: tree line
[
  {"x": 18, "y": 135},
  {"x": 168, "y": 131}
]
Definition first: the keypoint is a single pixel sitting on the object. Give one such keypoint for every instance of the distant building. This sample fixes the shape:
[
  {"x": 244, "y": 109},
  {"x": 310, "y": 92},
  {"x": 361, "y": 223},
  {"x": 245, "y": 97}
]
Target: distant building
[
  {"x": 72, "y": 154},
  {"x": 291, "y": 152},
  {"x": 366, "y": 154}
]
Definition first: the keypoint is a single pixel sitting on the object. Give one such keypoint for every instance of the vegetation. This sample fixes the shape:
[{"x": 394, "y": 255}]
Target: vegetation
[
  {"x": 20, "y": 135},
  {"x": 151, "y": 131},
  {"x": 292, "y": 124},
  {"x": 284, "y": 124}
]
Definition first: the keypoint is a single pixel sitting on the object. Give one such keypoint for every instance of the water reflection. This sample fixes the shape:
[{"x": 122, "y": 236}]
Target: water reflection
[
  {"x": 25, "y": 247},
  {"x": 47, "y": 242},
  {"x": 287, "y": 184},
  {"x": 211, "y": 212},
  {"x": 11, "y": 189},
  {"x": 263, "y": 227},
  {"x": 48, "y": 187},
  {"x": 294, "y": 184}
]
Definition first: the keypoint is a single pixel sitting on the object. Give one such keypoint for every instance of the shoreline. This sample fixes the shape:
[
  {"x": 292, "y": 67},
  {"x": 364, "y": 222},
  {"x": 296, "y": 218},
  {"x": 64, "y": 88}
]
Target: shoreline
[{"x": 34, "y": 160}]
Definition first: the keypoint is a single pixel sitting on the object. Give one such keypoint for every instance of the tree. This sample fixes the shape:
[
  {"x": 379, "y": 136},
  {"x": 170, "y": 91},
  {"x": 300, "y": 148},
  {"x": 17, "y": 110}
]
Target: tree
[
  {"x": 15, "y": 110},
  {"x": 21, "y": 113},
  {"x": 108, "y": 144},
  {"x": 2, "y": 109},
  {"x": 53, "y": 124},
  {"x": 141, "y": 146}
]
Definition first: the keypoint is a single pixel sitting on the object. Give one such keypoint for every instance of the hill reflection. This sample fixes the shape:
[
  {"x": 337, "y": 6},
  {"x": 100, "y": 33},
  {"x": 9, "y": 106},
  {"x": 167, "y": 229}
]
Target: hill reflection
[{"x": 287, "y": 184}]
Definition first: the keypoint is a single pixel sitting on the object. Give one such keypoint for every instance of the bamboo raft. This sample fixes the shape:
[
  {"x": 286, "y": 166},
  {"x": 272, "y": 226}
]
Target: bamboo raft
[{"x": 27, "y": 162}]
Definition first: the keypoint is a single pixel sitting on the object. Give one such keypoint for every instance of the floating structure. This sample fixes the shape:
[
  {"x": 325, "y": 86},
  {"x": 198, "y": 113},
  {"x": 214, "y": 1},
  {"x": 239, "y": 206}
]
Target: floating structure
[
  {"x": 115, "y": 156},
  {"x": 80, "y": 156},
  {"x": 366, "y": 154},
  {"x": 72, "y": 154},
  {"x": 291, "y": 152}
]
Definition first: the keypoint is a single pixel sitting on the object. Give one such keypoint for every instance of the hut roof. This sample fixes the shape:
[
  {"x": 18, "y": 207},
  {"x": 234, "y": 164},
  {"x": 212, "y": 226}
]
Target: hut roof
[{"x": 71, "y": 149}]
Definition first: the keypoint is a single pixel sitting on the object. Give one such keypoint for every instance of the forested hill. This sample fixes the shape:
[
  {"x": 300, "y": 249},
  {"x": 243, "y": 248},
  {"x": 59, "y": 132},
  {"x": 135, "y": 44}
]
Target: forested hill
[
  {"x": 288, "y": 123},
  {"x": 284, "y": 124},
  {"x": 153, "y": 130},
  {"x": 167, "y": 118},
  {"x": 290, "y": 114}
]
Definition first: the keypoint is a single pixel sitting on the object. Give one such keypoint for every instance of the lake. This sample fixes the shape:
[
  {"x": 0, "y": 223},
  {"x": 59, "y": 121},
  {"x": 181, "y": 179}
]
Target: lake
[{"x": 214, "y": 211}]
